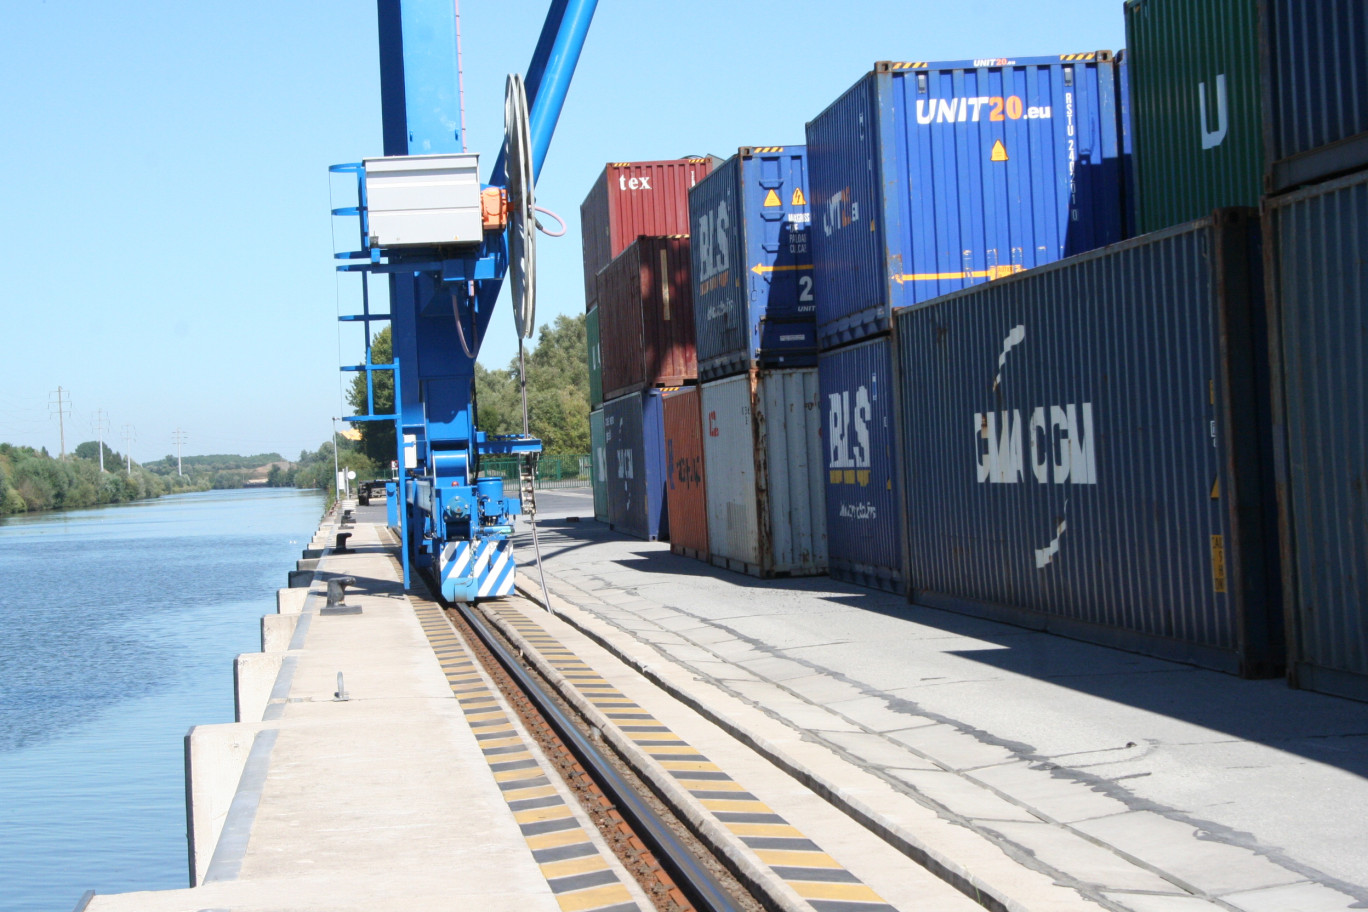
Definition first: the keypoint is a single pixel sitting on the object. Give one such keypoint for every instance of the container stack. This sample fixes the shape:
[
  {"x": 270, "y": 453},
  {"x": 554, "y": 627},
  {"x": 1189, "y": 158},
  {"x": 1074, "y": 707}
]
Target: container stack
[
  {"x": 757, "y": 352},
  {"x": 1196, "y": 111},
  {"x": 1316, "y": 244},
  {"x": 926, "y": 179},
  {"x": 640, "y": 325}
]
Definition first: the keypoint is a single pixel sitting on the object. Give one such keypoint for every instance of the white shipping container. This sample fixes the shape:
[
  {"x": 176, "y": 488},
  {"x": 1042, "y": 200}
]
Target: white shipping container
[{"x": 766, "y": 492}]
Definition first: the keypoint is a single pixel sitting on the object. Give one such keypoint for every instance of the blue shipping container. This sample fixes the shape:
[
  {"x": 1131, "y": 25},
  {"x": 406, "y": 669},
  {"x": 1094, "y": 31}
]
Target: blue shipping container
[
  {"x": 1083, "y": 448},
  {"x": 1316, "y": 89},
  {"x": 927, "y": 178},
  {"x": 634, "y": 444},
  {"x": 864, "y": 524},
  {"x": 1318, "y": 292},
  {"x": 1123, "y": 108},
  {"x": 754, "y": 304}
]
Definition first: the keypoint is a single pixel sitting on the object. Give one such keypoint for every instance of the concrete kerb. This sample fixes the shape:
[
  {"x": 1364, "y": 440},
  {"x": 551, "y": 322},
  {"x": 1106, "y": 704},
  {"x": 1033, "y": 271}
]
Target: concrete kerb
[
  {"x": 254, "y": 677},
  {"x": 753, "y": 874},
  {"x": 215, "y": 757},
  {"x": 951, "y": 843}
]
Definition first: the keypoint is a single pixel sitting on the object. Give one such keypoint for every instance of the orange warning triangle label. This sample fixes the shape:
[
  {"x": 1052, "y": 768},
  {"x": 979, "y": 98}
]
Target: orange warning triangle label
[
  {"x": 798, "y": 198},
  {"x": 772, "y": 199},
  {"x": 999, "y": 152}
]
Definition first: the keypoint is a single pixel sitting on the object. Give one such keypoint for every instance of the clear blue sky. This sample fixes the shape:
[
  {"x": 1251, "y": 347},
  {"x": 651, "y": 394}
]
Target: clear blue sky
[{"x": 164, "y": 193}]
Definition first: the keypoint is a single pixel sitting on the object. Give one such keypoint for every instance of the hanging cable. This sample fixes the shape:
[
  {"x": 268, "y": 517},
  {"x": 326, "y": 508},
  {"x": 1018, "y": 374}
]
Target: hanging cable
[{"x": 542, "y": 228}]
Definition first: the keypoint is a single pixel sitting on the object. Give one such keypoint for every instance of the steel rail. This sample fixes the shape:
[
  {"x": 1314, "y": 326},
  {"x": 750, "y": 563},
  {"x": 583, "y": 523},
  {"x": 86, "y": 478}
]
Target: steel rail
[{"x": 695, "y": 881}]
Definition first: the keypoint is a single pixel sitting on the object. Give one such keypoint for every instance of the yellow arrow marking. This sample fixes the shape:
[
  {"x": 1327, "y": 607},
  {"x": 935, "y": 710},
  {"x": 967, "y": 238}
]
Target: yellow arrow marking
[
  {"x": 798, "y": 267},
  {"x": 999, "y": 152},
  {"x": 995, "y": 272},
  {"x": 772, "y": 199},
  {"x": 798, "y": 198}
]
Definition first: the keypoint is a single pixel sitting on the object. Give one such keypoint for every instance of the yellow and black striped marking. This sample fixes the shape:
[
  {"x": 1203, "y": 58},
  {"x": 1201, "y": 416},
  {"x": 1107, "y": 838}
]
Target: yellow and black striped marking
[
  {"x": 797, "y": 860},
  {"x": 579, "y": 876}
]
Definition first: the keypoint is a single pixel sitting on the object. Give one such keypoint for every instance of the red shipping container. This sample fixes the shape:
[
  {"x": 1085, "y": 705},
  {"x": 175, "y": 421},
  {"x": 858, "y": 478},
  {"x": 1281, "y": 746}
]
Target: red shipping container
[
  {"x": 686, "y": 491},
  {"x": 646, "y": 322},
  {"x": 630, "y": 199}
]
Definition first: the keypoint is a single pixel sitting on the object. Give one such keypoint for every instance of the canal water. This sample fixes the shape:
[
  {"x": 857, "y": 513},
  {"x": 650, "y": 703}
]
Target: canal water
[{"x": 118, "y": 629}]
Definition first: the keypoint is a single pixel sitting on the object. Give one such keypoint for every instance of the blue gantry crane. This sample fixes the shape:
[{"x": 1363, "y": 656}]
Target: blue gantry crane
[{"x": 446, "y": 241}]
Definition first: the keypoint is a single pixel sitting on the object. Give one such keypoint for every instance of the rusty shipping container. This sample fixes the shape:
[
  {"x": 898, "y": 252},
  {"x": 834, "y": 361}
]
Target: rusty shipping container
[
  {"x": 630, "y": 199},
  {"x": 686, "y": 489},
  {"x": 1318, "y": 295},
  {"x": 1084, "y": 448},
  {"x": 1316, "y": 94},
  {"x": 766, "y": 491},
  {"x": 646, "y": 320}
]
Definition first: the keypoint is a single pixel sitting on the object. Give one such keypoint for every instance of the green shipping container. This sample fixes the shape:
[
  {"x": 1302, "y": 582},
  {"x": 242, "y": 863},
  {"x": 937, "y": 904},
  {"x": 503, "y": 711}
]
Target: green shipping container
[
  {"x": 591, "y": 325},
  {"x": 598, "y": 444},
  {"x": 1196, "y": 107}
]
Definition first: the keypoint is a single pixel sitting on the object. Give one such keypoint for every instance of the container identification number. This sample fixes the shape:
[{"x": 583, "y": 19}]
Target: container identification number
[{"x": 972, "y": 110}]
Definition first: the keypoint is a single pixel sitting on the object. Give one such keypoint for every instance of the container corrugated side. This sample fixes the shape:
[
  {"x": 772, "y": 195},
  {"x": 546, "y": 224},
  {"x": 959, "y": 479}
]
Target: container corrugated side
[
  {"x": 595, "y": 357},
  {"x": 767, "y": 511},
  {"x": 1316, "y": 68},
  {"x": 629, "y": 199},
  {"x": 1123, "y": 109},
  {"x": 754, "y": 304},
  {"x": 634, "y": 444},
  {"x": 646, "y": 320},
  {"x": 599, "y": 454},
  {"x": 1196, "y": 107},
  {"x": 863, "y": 499},
  {"x": 686, "y": 491},
  {"x": 1083, "y": 449},
  {"x": 927, "y": 178},
  {"x": 1318, "y": 295}
]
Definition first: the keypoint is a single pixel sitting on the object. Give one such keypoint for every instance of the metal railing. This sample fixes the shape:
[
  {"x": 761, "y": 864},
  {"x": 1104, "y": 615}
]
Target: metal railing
[{"x": 553, "y": 471}]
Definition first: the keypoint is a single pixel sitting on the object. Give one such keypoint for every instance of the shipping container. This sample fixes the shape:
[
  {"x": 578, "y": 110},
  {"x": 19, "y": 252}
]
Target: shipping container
[
  {"x": 754, "y": 305},
  {"x": 1123, "y": 105},
  {"x": 629, "y": 199},
  {"x": 646, "y": 321},
  {"x": 1085, "y": 449},
  {"x": 1196, "y": 107},
  {"x": 1318, "y": 243},
  {"x": 686, "y": 487},
  {"x": 599, "y": 454},
  {"x": 591, "y": 331},
  {"x": 927, "y": 178},
  {"x": 634, "y": 446},
  {"x": 863, "y": 497},
  {"x": 1316, "y": 94},
  {"x": 766, "y": 492}
]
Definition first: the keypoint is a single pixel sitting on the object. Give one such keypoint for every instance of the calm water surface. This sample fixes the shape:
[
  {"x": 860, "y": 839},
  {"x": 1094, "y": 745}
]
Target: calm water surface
[{"x": 118, "y": 629}]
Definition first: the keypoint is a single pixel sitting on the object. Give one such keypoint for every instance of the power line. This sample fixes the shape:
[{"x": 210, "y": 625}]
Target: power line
[{"x": 62, "y": 408}]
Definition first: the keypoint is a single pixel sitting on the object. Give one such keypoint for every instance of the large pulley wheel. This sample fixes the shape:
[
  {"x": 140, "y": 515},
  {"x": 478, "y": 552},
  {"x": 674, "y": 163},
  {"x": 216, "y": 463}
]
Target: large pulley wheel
[{"x": 522, "y": 219}]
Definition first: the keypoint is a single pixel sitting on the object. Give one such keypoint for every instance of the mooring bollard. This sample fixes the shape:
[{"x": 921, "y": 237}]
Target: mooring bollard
[
  {"x": 337, "y": 590},
  {"x": 342, "y": 539}
]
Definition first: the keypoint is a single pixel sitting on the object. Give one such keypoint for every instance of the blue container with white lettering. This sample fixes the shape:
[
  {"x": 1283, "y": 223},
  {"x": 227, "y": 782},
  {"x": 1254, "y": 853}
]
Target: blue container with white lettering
[
  {"x": 634, "y": 456},
  {"x": 754, "y": 305},
  {"x": 930, "y": 177},
  {"x": 864, "y": 525},
  {"x": 1087, "y": 448}
]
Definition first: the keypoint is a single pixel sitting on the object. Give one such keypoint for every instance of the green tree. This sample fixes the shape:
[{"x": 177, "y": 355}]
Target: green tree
[
  {"x": 377, "y": 437},
  {"x": 557, "y": 390}
]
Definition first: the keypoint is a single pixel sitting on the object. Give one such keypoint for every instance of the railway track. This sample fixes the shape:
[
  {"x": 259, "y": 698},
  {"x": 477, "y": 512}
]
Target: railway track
[{"x": 672, "y": 867}]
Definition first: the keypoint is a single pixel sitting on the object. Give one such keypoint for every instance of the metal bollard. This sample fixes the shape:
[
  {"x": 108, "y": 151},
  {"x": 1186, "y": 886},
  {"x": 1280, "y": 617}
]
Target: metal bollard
[
  {"x": 337, "y": 589},
  {"x": 342, "y": 539}
]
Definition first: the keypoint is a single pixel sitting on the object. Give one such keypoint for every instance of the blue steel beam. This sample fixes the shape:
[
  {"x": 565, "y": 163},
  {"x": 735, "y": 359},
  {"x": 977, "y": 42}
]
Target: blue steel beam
[{"x": 548, "y": 77}]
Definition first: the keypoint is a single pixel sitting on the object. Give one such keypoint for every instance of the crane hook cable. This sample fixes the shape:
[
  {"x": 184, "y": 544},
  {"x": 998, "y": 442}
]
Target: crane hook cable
[{"x": 532, "y": 518}]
